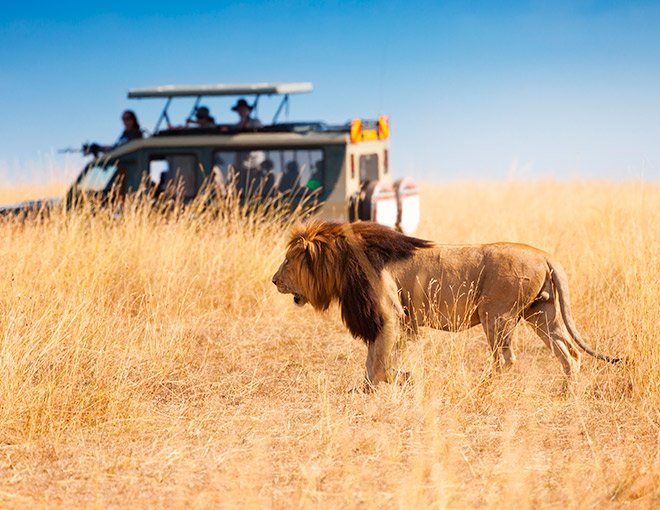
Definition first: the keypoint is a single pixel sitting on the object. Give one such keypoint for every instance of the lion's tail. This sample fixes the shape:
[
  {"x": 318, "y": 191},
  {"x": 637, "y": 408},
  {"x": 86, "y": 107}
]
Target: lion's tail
[{"x": 560, "y": 282}]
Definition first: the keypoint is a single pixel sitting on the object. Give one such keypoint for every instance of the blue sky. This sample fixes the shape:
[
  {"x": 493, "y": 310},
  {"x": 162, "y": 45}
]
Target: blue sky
[{"x": 474, "y": 90}]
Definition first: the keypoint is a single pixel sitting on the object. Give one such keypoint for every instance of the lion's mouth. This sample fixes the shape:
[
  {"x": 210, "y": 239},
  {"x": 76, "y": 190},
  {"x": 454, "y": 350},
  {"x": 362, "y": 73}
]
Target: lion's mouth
[{"x": 299, "y": 300}]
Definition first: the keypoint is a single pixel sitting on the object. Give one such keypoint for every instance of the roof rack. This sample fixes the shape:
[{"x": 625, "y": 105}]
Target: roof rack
[{"x": 220, "y": 89}]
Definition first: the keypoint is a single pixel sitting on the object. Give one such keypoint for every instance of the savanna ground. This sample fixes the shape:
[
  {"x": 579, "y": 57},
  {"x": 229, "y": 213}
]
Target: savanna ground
[{"x": 148, "y": 361}]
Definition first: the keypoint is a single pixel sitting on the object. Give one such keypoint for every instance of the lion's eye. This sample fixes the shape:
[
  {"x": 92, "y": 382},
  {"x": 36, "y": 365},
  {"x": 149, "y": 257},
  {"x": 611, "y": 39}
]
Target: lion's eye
[{"x": 286, "y": 262}]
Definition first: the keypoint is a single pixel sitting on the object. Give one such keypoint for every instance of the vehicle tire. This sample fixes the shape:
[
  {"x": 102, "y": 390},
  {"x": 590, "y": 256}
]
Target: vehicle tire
[
  {"x": 408, "y": 205},
  {"x": 376, "y": 201}
]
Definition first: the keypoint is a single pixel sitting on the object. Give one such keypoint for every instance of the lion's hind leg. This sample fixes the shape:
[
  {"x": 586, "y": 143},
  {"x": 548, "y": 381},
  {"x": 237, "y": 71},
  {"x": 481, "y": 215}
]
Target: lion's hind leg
[
  {"x": 546, "y": 321},
  {"x": 499, "y": 332}
]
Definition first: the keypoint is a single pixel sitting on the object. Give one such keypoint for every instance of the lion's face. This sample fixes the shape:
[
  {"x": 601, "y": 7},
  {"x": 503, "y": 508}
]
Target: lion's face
[
  {"x": 285, "y": 282},
  {"x": 313, "y": 266}
]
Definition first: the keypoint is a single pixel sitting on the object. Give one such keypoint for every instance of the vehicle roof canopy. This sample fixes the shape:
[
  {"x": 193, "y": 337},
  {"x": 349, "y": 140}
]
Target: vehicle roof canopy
[{"x": 221, "y": 89}]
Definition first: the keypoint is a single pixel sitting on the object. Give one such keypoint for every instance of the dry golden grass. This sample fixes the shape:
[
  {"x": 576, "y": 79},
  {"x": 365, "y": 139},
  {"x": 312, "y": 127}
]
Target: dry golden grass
[
  {"x": 148, "y": 361},
  {"x": 48, "y": 176}
]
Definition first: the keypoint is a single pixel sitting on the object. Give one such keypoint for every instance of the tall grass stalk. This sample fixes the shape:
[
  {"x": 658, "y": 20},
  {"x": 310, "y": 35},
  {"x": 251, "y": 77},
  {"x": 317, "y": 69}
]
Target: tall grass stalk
[{"x": 147, "y": 361}]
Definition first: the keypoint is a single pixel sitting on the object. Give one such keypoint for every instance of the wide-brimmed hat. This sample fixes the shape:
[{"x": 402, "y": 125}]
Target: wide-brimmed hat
[
  {"x": 241, "y": 102},
  {"x": 202, "y": 112}
]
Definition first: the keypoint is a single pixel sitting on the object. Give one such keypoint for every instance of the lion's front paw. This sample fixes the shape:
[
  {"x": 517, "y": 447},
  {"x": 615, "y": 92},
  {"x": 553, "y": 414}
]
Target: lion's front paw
[
  {"x": 364, "y": 387},
  {"x": 401, "y": 377}
]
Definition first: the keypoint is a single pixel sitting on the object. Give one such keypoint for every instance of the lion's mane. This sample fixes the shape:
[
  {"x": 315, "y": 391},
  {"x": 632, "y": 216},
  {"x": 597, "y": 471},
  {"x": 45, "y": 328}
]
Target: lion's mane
[{"x": 342, "y": 262}]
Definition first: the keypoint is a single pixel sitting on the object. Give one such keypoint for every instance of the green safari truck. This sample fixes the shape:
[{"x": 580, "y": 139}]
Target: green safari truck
[{"x": 344, "y": 168}]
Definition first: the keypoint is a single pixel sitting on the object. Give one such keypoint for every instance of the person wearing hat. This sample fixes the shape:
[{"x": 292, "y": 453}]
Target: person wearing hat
[
  {"x": 243, "y": 109},
  {"x": 202, "y": 118}
]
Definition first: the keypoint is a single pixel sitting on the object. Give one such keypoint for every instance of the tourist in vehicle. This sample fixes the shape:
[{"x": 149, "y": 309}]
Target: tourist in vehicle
[
  {"x": 132, "y": 131},
  {"x": 314, "y": 183},
  {"x": 202, "y": 118},
  {"x": 290, "y": 179},
  {"x": 245, "y": 121}
]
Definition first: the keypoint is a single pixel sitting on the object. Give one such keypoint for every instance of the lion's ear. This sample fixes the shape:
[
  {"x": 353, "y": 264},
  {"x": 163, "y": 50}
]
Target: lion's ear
[
  {"x": 312, "y": 250},
  {"x": 307, "y": 247}
]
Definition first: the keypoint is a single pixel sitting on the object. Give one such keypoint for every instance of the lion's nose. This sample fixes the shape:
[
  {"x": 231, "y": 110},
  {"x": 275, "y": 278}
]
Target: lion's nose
[{"x": 274, "y": 280}]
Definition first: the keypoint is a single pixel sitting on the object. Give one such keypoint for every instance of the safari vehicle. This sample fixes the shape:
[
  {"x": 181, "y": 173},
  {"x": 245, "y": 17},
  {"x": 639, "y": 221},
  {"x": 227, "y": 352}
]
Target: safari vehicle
[{"x": 344, "y": 169}]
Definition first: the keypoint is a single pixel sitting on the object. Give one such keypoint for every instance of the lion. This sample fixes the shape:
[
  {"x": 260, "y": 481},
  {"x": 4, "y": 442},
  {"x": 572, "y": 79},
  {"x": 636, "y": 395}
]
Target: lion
[{"x": 386, "y": 282}]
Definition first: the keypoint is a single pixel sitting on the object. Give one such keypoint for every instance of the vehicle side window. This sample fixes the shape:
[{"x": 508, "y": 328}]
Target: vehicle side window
[
  {"x": 178, "y": 171},
  {"x": 262, "y": 172},
  {"x": 369, "y": 167}
]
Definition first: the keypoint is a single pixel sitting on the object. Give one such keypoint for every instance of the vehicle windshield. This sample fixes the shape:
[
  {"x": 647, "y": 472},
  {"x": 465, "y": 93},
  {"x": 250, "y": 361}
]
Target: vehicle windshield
[{"x": 97, "y": 178}]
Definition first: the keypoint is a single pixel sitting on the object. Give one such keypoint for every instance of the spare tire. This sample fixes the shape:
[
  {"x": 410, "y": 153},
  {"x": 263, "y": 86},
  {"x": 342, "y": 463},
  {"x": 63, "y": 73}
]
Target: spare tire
[
  {"x": 408, "y": 205},
  {"x": 376, "y": 201}
]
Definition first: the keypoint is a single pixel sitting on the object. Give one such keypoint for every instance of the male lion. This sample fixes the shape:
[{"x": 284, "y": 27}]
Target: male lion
[{"x": 383, "y": 279}]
